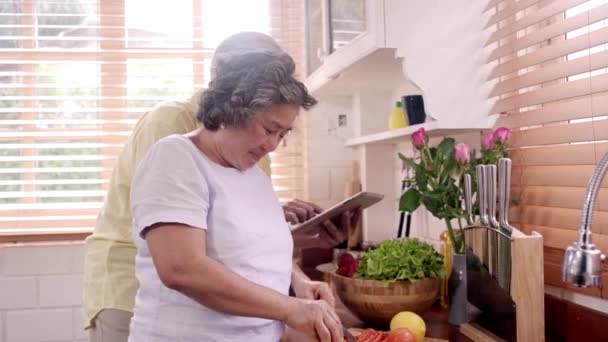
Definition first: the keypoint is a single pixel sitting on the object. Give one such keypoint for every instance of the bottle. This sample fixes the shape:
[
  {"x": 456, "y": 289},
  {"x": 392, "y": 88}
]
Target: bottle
[
  {"x": 397, "y": 117},
  {"x": 414, "y": 107}
]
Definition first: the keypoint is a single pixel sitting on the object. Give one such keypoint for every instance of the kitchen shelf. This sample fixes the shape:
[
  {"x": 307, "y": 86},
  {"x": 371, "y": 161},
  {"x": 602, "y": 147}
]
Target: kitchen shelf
[
  {"x": 433, "y": 129},
  {"x": 375, "y": 69}
]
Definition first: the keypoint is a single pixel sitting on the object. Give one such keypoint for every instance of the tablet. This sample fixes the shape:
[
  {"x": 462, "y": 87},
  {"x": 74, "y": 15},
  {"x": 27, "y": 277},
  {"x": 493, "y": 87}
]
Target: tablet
[{"x": 361, "y": 200}]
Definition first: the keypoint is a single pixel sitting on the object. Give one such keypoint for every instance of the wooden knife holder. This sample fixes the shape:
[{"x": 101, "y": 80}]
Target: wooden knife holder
[{"x": 526, "y": 289}]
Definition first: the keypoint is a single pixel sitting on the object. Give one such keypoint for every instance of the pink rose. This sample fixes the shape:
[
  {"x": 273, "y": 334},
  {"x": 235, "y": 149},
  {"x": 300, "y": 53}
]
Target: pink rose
[
  {"x": 462, "y": 153},
  {"x": 488, "y": 141},
  {"x": 420, "y": 138},
  {"x": 502, "y": 134}
]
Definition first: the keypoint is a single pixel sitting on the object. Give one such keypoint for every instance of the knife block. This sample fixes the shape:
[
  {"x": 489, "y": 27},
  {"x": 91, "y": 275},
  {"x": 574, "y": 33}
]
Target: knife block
[{"x": 527, "y": 289}]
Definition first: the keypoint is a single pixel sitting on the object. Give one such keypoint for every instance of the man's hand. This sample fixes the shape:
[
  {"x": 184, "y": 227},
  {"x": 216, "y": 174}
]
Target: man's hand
[
  {"x": 329, "y": 234},
  {"x": 298, "y": 211}
]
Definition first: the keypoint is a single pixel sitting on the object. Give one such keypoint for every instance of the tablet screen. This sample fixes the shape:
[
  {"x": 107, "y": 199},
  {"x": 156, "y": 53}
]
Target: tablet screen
[{"x": 361, "y": 200}]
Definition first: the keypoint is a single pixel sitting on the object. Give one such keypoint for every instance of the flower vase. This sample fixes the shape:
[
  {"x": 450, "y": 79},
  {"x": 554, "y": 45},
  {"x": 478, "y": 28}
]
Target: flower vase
[
  {"x": 457, "y": 312},
  {"x": 447, "y": 251}
]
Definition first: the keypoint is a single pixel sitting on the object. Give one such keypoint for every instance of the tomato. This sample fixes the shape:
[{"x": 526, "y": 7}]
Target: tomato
[
  {"x": 381, "y": 337},
  {"x": 371, "y": 335},
  {"x": 401, "y": 335},
  {"x": 376, "y": 336},
  {"x": 368, "y": 335},
  {"x": 362, "y": 336}
]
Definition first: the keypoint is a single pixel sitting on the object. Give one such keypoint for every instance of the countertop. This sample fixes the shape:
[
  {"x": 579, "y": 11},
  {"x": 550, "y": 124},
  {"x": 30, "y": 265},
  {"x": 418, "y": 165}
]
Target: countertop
[{"x": 436, "y": 320}]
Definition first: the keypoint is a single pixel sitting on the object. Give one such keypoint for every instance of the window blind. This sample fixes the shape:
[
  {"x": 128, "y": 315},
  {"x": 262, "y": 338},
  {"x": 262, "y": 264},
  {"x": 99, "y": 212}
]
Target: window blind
[
  {"x": 287, "y": 27},
  {"x": 550, "y": 76},
  {"x": 75, "y": 75}
]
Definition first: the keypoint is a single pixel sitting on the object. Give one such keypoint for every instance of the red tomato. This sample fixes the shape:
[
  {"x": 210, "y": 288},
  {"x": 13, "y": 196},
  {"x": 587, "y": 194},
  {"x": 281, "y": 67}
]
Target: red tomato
[
  {"x": 361, "y": 336},
  {"x": 377, "y": 337},
  {"x": 371, "y": 335},
  {"x": 401, "y": 335},
  {"x": 367, "y": 335},
  {"x": 381, "y": 337}
]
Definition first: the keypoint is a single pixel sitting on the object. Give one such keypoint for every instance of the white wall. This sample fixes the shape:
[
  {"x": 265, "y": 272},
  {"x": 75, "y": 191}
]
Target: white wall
[
  {"x": 328, "y": 163},
  {"x": 41, "y": 292},
  {"x": 442, "y": 43}
]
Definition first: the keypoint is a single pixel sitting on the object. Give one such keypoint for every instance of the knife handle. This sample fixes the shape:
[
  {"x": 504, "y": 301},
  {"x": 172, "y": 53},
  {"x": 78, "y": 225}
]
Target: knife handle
[
  {"x": 468, "y": 199},
  {"x": 504, "y": 179},
  {"x": 490, "y": 175},
  {"x": 481, "y": 194}
]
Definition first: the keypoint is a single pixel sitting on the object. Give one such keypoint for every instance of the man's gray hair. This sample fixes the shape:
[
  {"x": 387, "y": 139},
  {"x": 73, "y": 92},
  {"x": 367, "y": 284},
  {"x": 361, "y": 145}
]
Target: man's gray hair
[
  {"x": 239, "y": 44},
  {"x": 248, "y": 83}
]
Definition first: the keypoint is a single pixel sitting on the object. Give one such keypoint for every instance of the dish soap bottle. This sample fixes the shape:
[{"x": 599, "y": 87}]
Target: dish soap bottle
[{"x": 397, "y": 117}]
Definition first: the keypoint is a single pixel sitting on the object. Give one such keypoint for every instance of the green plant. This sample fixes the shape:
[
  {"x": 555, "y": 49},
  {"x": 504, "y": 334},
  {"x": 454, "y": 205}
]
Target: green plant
[
  {"x": 438, "y": 176},
  {"x": 394, "y": 260}
]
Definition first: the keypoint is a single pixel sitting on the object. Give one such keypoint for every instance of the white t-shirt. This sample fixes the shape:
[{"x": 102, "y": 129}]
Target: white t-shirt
[{"x": 246, "y": 232}]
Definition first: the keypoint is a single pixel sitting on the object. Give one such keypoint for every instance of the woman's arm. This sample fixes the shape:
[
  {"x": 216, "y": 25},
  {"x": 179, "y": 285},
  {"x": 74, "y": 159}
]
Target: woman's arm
[
  {"x": 179, "y": 255},
  {"x": 178, "y": 252}
]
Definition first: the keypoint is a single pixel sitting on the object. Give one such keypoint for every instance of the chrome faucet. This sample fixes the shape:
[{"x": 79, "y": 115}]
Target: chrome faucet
[{"x": 582, "y": 260}]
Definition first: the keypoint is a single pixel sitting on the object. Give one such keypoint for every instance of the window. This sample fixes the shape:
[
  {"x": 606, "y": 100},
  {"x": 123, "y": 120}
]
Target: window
[
  {"x": 75, "y": 75},
  {"x": 550, "y": 84}
]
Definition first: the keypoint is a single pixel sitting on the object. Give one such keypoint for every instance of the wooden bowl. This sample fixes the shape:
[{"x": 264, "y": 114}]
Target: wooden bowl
[{"x": 376, "y": 302}]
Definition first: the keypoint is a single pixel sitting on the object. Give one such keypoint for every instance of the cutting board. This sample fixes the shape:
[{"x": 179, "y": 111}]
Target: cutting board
[
  {"x": 351, "y": 187},
  {"x": 357, "y": 331}
]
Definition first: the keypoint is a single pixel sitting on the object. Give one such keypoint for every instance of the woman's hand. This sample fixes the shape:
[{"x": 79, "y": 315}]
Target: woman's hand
[
  {"x": 309, "y": 289},
  {"x": 305, "y": 288},
  {"x": 316, "y": 319},
  {"x": 314, "y": 305}
]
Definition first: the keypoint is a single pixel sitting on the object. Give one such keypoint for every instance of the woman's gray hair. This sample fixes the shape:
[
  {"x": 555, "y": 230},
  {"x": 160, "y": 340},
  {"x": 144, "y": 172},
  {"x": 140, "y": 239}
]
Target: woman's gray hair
[{"x": 250, "y": 83}]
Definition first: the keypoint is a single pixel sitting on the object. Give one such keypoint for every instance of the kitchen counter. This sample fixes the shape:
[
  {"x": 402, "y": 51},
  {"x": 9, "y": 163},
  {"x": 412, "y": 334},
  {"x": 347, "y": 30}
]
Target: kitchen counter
[{"x": 436, "y": 320}]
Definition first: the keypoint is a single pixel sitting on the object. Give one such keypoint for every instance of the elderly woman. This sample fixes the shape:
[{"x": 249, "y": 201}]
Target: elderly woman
[
  {"x": 110, "y": 284},
  {"x": 213, "y": 246}
]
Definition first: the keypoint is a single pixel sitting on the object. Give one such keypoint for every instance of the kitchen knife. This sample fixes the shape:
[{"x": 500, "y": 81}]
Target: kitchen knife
[{"x": 348, "y": 336}]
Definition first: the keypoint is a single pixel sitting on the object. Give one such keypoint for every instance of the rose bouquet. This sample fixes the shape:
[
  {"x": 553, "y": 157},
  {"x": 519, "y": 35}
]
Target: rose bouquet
[{"x": 439, "y": 172}]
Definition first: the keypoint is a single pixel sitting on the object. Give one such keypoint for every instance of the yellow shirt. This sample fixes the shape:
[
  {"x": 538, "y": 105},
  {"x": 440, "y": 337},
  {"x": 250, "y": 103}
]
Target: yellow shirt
[{"x": 109, "y": 278}]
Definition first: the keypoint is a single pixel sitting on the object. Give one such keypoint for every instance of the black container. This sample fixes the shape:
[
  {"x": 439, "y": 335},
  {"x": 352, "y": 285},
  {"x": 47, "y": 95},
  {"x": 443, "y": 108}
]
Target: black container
[{"x": 414, "y": 107}]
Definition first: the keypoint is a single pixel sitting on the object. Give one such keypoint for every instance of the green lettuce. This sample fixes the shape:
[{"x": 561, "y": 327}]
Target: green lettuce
[{"x": 394, "y": 260}]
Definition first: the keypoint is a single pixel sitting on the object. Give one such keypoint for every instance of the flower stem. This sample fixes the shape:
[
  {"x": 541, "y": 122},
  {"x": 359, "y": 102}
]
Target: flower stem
[
  {"x": 462, "y": 239},
  {"x": 452, "y": 237}
]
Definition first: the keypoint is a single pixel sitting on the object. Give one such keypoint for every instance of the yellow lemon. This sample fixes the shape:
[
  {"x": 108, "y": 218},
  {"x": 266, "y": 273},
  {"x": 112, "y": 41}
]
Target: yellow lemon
[{"x": 408, "y": 319}]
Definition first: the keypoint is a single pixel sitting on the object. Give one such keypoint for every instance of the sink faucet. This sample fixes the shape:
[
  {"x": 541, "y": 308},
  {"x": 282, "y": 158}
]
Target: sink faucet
[{"x": 582, "y": 260}]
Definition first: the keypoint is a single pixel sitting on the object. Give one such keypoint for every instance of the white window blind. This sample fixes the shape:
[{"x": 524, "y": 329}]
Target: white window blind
[
  {"x": 550, "y": 72},
  {"x": 287, "y": 27},
  {"x": 75, "y": 75}
]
